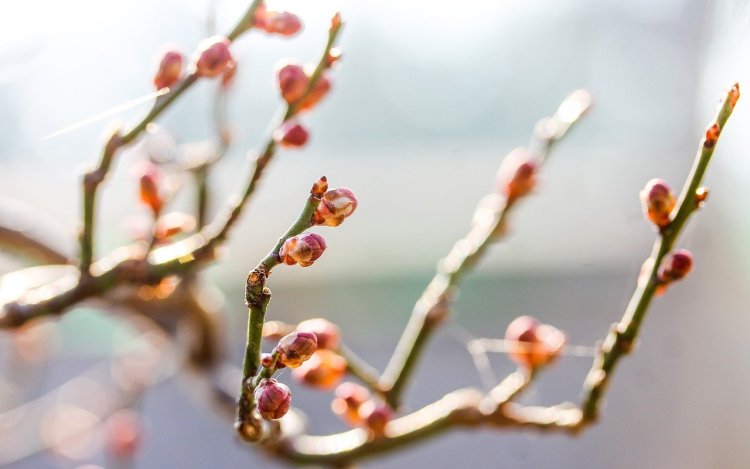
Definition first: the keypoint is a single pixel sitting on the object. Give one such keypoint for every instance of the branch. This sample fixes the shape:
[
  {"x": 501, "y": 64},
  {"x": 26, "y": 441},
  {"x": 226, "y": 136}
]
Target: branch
[
  {"x": 432, "y": 308},
  {"x": 130, "y": 266},
  {"x": 621, "y": 339},
  {"x": 95, "y": 177}
]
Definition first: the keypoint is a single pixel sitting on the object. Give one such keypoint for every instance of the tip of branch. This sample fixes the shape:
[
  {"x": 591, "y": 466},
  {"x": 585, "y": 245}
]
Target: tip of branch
[{"x": 320, "y": 187}]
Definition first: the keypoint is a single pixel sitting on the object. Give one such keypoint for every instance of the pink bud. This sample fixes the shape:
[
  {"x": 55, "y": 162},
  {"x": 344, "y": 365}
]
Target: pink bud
[
  {"x": 170, "y": 69},
  {"x": 291, "y": 80},
  {"x": 212, "y": 57},
  {"x": 123, "y": 433},
  {"x": 324, "y": 370},
  {"x": 658, "y": 200},
  {"x": 303, "y": 249},
  {"x": 296, "y": 348},
  {"x": 291, "y": 135},
  {"x": 336, "y": 205},
  {"x": 532, "y": 344},
  {"x": 273, "y": 399},
  {"x": 349, "y": 398},
  {"x": 317, "y": 93},
  {"x": 376, "y": 417},
  {"x": 151, "y": 178},
  {"x": 675, "y": 265},
  {"x": 327, "y": 333},
  {"x": 266, "y": 360},
  {"x": 517, "y": 174},
  {"x": 283, "y": 23}
]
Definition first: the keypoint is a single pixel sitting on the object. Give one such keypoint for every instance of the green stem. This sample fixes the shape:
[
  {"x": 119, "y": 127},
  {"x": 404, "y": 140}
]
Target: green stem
[
  {"x": 620, "y": 340},
  {"x": 359, "y": 368},
  {"x": 432, "y": 308}
]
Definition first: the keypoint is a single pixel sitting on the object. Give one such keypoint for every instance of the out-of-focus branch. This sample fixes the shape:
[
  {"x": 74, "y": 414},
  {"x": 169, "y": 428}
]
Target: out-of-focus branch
[
  {"x": 432, "y": 308},
  {"x": 117, "y": 140},
  {"x": 22, "y": 229},
  {"x": 622, "y": 337}
]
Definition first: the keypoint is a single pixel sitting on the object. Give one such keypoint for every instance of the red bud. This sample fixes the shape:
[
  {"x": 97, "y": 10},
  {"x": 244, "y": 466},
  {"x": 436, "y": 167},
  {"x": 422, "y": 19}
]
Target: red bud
[{"x": 303, "y": 249}]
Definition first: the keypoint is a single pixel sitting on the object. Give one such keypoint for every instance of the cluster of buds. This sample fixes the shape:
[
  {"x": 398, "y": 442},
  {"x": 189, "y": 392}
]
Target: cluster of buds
[
  {"x": 291, "y": 134},
  {"x": 517, "y": 174},
  {"x": 169, "y": 70},
  {"x": 283, "y": 23},
  {"x": 658, "y": 201},
  {"x": 296, "y": 348},
  {"x": 324, "y": 370},
  {"x": 328, "y": 335},
  {"x": 303, "y": 249},
  {"x": 151, "y": 179},
  {"x": 335, "y": 206},
  {"x": 272, "y": 398},
  {"x": 532, "y": 344},
  {"x": 212, "y": 57}
]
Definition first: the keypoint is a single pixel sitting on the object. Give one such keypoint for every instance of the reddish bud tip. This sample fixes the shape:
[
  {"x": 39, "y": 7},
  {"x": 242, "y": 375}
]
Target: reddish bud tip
[
  {"x": 296, "y": 348},
  {"x": 320, "y": 187},
  {"x": 333, "y": 57},
  {"x": 151, "y": 178},
  {"x": 336, "y": 21},
  {"x": 532, "y": 344},
  {"x": 123, "y": 433},
  {"x": 316, "y": 94},
  {"x": 517, "y": 174},
  {"x": 212, "y": 57},
  {"x": 675, "y": 266},
  {"x": 273, "y": 399},
  {"x": 734, "y": 94},
  {"x": 303, "y": 249},
  {"x": 336, "y": 205},
  {"x": 376, "y": 417},
  {"x": 283, "y": 23},
  {"x": 712, "y": 136},
  {"x": 701, "y": 194},
  {"x": 327, "y": 333},
  {"x": 169, "y": 70},
  {"x": 349, "y": 398},
  {"x": 291, "y": 135},
  {"x": 266, "y": 360},
  {"x": 324, "y": 370},
  {"x": 658, "y": 200},
  {"x": 291, "y": 80}
]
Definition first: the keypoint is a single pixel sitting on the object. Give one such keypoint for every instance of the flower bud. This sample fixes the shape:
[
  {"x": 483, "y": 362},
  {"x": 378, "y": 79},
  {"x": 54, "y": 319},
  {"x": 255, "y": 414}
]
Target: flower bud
[
  {"x": 283, "y": 23},
  {"x": 734, "y": 94},
  {"x": 296, "y": 348},
  {"x": 532, "y": 344},
  {"x": 675, "y": 266},
  {"x": 151, "y": 177},
  {"x": 317, "y": 93},
  {"x": 123, "y": 433},
  {"x": 376, "y": 417},
  {"x": 212, "y": 58},
  {"x": 327, "y": 333},
  {"x": 516, "y": 176},
  {"x": 266, "y": 360},
  {"x": 349, "y": 398},
  {"x": 336, "y": 205},
  {"x": 291, "y": 80},
  {"x": 170, "y": 69},
  {"x": 324, "y": 370},
  {"x": 303, "y": 249},
  {"x": 273, "y": 399},
  {"x": 291, "y": 135},
  {"x": 320, "y": 187},
  {"x": 712, "y": 136},
  {"x": 658, "y": 200}
]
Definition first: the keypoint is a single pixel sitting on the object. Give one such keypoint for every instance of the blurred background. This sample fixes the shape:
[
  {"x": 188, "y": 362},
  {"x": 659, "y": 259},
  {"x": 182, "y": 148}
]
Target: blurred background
[{"x": 429, "y": 98}]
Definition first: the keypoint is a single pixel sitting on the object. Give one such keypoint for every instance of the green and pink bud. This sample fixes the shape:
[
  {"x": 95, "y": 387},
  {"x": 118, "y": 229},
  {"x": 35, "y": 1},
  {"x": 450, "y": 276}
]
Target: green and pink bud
[
  {"x": 283, "y": 23},
  {"x": 291, "y": 135},
  {"x": 212, "y": 57},
  {"x": 327, "y": 333},
  {"x": 273, "y": 399},
  {"x": 296, "y": 348},
  {"x": 169, "y": 70},
  {"x": 335, "y": 206},
  {"x": 658, "y": 200},
  {"x": 532, "y": 344},
  {"x": 516, "y": 176},
  {"x": 291, "y": 80},
  {"x": 675, "y": 266},
  {"x": 303, "y": 249}
]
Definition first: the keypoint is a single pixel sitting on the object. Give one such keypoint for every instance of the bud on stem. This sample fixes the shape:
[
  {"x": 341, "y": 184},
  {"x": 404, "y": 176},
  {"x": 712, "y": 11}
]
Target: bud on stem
[
  {"x": 303, "y": 249},
  {"x": 658, "y": 201},
  {"x": 273, "y": 399}
]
